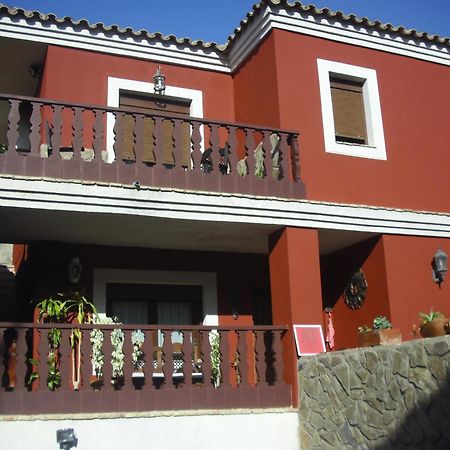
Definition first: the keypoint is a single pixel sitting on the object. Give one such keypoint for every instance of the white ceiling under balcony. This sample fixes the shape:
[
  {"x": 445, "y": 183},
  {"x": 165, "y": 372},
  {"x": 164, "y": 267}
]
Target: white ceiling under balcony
[{"x": 33, "y": 209}]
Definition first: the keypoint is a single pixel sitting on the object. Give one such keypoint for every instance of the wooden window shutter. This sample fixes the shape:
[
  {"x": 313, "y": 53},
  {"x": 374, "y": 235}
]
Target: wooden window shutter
[
  {"x": 151, "y": 104},
  {"x": 348, "y": 111}
]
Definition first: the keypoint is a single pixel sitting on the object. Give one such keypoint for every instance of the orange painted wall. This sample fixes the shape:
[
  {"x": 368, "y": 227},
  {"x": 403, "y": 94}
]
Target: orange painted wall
[
  {"x": 255, "y": 87},
  {"x": 411, "y": 287},
  {"x": 295, "y": 288},
  {"x": 336, "y": 271},
  {"x": 82, "y": 76},
  {"x": 415, "y": 107}
]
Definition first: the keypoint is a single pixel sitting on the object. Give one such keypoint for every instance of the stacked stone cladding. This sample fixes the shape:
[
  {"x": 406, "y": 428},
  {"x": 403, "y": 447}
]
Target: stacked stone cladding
[{"x": 385, "y": 397}]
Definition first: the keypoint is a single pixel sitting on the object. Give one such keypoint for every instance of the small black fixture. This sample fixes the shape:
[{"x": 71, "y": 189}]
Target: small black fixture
[
  {"x": 66, "y": 438},
  {"x": 159, "y": 82},
  {"x": 440, "y": 266}
]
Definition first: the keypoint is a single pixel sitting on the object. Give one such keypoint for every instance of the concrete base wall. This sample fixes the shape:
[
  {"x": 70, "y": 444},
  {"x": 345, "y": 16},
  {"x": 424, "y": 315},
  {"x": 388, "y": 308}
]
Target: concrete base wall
[{"x": 213, "y": 431}]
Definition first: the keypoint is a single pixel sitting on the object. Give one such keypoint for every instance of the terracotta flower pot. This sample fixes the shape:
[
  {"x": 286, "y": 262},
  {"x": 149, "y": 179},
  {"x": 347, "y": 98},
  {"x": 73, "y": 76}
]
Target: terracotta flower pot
[
  {"x": 437, "y": 327},
  {"x": 391, "y": 336}
]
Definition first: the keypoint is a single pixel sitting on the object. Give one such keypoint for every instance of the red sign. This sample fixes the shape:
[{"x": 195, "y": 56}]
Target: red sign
[{"x": 309, "y": 339}]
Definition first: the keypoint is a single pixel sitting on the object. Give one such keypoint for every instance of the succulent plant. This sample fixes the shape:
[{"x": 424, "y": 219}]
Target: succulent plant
[{"x": 381, "y": 323}]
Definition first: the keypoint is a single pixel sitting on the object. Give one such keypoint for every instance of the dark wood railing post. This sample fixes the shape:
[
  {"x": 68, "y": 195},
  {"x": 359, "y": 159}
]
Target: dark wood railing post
[
  {"x": 168, "y": 367},
  {"x": 86, "y": 363},
  {"x": 107, "y": 370},
  {"x": 242, "y": 350},
  {"x": 204, "y": 339},
  {"x": 188, "y": 356},
  {"x": 13, "y": 125},
  {"x": 35, "y": 134},
  {"x": 225, "y": 365},
  {"x": 42, "y": 357},
  {"x": 67, "y": 362}
]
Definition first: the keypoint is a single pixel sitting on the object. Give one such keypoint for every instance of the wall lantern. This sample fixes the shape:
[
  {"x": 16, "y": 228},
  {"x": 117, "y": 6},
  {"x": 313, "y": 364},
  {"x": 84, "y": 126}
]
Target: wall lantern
[
  {"x": 74, "y": 270},
  {"x": 440, "y": 266},
  {"x": 66, "y": 438},
  {"x": 159, "y": 81}
]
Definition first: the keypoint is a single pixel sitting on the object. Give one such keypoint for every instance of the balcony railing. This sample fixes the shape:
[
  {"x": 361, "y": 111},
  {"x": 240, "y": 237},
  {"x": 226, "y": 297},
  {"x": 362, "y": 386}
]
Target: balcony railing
[
  {"x": 88, "y": 143},
  {"x": 65, "y": 368}
]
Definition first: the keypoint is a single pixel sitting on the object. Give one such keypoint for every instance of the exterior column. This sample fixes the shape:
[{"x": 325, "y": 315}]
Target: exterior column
[{"x": 295, "y": 288}]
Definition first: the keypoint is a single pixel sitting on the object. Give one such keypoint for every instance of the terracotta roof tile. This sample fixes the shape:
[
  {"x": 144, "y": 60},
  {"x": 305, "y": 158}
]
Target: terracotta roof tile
[{"x": 290, "y": 5}]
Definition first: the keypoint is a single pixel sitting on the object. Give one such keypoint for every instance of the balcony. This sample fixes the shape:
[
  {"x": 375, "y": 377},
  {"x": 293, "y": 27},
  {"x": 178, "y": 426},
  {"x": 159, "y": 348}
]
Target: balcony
[
  {"x": 45, "y": 139},
  {"x": 117, "y": 368}
]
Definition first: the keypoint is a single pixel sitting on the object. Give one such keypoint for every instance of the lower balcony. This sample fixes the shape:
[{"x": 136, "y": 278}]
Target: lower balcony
[
  {"x": 90, "y": 368},
  {"x": 47, "y": 139}
]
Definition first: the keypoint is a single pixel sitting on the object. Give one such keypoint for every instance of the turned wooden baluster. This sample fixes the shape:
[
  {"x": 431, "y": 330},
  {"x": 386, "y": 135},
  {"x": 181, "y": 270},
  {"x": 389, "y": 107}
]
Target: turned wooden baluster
[
  {"x": 43, "y": 349},
  {"x": 168, "y": 367},
  {"x": 119, "y": 145},
  {"x": 77, "y": 135},
  {"x": 196, "y": 140},
  {"x": 214, "y": 143},
  {"x": 177, "y": 141},
  {"x": 285, "y": 156},
  {"x": 11, "y": 364},
  {"x": 188, "y": 356},
  {"x": 205, "y": 355},
  {"x": 260, "y": 357},
  {"x": 295, "y": 157},
  {"x": 67, "y": 360},
  {"x": 231, "y": 156},
  {"x": 158, "y": 136},
  {"x": 267, "y": 152},
  {"x": 86, "y": 362},
  {"x": 225, "y": 365},
  {"x": 56, "y": 129},
  {"x": 35, "y": 134},
  {"x": 128, "y": 368},
  {"x": 242, "y": 350},
  {"x": 13, "y": 126},
  {"x": 278, "y": 356},
  {"x": 98, "y": 134},
  {"x": 250, "y": 151},
  {"x": 107, "y": 371}
]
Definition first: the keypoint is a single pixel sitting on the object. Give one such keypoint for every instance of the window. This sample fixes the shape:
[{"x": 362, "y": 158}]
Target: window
[
  {"x": 151, "y": 104},
  {"x": 351, "y": 110},
  {"x": 118, "y": 85}
]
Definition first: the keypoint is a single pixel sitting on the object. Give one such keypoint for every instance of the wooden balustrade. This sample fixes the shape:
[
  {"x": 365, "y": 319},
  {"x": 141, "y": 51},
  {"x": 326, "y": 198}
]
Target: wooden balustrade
[
  {"x": 157, "y": 367},
  {"x": 67, "y": 141}
]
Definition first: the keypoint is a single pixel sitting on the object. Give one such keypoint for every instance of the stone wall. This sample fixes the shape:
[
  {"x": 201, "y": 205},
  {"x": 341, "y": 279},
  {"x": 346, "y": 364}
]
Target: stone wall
[{"x": 385, "y": 397}]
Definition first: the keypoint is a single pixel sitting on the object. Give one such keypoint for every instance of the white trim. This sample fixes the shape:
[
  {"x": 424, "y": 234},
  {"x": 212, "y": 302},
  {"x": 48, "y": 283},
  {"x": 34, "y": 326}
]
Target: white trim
[
  {"x": 332, "y": 30},
  {"x": 376, "y": 148},
  {"x": 98, "y": 41},
  {"x": 117, "y": 84},
  {"x": 273, "y": 17},
  {"x": 206, "y": 206},
  {"x": 207, "y": 280}
]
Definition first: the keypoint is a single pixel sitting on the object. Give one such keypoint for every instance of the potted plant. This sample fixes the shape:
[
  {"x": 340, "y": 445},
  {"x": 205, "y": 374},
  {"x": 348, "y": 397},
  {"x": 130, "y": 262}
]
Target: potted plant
[
  {"x": 433, "y": 324},
  {"x": 381, "y": 333}
]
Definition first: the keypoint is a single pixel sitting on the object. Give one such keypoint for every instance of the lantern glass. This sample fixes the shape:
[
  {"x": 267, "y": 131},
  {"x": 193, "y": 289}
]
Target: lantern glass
[{"x": 159, "y": 81}]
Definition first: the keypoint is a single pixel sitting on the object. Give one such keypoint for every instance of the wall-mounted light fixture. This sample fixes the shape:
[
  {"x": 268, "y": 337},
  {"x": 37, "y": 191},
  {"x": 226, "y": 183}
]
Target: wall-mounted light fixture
[
  {"x": 440, "y": 266},
  {"x": 159, "y": 82},
  {"x": 75, "y": 269},
  {"x": 66, "y": 438},
  {"x": 35, "y": 71}
]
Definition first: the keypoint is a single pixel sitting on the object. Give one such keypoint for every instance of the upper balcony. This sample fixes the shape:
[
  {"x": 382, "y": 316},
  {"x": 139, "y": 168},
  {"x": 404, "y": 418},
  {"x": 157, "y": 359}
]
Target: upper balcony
[{"x": 47, "y": 139}]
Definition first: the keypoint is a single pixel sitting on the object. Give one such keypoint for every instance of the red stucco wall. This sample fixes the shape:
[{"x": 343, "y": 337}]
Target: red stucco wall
[
  {"x": 81, "y": 76},
  {"x": 336, "y": 271},
  {"x": 411, "y": 287},
  {"x": 282, "y": 78}
]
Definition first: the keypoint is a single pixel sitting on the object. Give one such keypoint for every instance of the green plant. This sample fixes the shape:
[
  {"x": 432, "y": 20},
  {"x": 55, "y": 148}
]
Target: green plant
[
  {"x": 364, "y": 329},
  {"x": 216, "y": 375},
  {"x": 3, "y": 148},
  {"x": 432, "y": 315},
  {"x": 381, "y": 323},
  {"x": 117, "y": 340}
]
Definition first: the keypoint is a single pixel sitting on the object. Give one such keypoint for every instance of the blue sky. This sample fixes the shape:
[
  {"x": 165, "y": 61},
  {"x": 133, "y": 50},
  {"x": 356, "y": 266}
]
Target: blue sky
[{"x": 215, "y": 20}]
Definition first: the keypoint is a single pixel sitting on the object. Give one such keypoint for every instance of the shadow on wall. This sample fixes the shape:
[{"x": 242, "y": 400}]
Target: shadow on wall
[
  {"x": 382, "y": 398},
  {"x": 8, "y": 304},
  {"x": 427, "y": 425}
]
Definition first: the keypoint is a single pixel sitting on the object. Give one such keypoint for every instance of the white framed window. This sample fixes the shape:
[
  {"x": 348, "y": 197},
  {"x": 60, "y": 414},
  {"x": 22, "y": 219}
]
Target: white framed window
[
  {"x": 362, "y": 81},
  {"x": 207, "y": 280},
  {"x": 115, "y": 85}
]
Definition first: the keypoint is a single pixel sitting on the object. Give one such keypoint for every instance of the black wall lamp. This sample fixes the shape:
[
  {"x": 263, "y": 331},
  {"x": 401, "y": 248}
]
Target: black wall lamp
[
  {"x": 440, "y": 266},
  {"x": 159, "y": 82}
]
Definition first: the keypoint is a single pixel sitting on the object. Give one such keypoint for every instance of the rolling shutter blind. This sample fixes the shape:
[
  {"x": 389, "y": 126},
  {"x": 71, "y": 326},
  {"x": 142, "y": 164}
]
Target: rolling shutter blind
[
  {"x": 348, "y": 111},
  {"x": 151, "y": 104}
]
